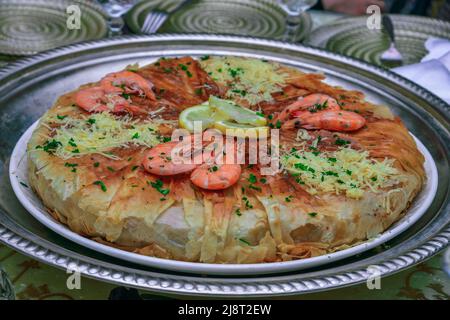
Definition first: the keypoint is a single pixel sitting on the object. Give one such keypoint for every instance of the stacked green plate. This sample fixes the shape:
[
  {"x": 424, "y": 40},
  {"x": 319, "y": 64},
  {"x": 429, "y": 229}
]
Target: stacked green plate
[
  {"x": 255, "y": 18},
  {"x": 352, "y": 37},
  {"x": 30, "y": 26}
]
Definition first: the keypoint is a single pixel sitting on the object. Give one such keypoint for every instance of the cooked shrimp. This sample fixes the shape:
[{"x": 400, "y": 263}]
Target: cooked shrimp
[
  {"x": 328, "y": 119},
  {"x": 158, "y": 160},
  {"x": 216, "y": 177},
  {"x": 95, "y": 99},
  {"x": 128, "y": 82},
  {"x": 309, "y": 101}
]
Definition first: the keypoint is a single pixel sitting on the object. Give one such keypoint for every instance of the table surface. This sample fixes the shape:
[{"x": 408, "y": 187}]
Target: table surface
[{"x": 34, "y": 280}]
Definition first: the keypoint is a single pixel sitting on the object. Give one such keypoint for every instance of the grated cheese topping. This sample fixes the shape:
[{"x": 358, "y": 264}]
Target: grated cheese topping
[
  {"x": 97, "y": 133},
  {"x": 345, "y": 171},
  {"x": 253, "y": 80}
]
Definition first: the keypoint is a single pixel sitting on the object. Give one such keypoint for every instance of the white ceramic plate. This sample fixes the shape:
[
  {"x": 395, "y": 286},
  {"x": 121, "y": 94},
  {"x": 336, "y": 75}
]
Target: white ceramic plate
[{"x": 18, "y": 176}]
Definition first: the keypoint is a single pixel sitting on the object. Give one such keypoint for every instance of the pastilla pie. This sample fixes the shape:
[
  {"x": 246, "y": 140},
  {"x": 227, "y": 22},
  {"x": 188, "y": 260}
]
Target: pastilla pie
[{"x": 100, "y": 160}]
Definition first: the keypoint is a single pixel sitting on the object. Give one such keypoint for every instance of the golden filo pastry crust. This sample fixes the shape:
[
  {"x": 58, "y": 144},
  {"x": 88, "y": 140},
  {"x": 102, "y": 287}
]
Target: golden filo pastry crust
[{"x": 235, "y": 225}]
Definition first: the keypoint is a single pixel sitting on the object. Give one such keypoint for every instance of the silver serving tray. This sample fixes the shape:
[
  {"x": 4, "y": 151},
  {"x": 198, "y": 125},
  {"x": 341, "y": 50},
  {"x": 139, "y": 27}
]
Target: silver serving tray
[{"x": 30, "y": 86}]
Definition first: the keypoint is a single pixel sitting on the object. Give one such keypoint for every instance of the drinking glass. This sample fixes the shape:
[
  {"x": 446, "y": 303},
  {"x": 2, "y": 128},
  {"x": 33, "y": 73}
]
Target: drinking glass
[
  {"x": 6, "y": 287},
  {"x": 294, "y": 10},
  {"x": 115, "y": 9}
]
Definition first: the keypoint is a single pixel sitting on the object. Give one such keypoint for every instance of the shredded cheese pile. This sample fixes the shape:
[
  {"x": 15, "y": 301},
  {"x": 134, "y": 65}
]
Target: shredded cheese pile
[
  {"x": 98, "y": 133},
  {"x": 253, "y": 80},
  {"x": 345, "y": 171}
]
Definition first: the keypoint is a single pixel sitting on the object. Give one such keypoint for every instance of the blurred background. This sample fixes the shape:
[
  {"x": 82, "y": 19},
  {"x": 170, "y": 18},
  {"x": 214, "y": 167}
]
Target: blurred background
[{"x": 31, "y": 26}]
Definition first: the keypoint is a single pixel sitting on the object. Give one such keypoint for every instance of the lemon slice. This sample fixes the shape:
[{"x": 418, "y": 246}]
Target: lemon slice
[
  {"x": 230, "y": 110},
  {"x": 241, "y": 129},
  {"x": 201, "y": 113}
]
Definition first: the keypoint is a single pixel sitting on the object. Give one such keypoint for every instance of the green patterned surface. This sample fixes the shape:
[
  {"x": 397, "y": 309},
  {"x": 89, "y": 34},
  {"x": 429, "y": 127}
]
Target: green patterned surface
[
  {"x": 350, "y": 36},
  {"x": 31, "y": 26},
  {"x": 256, "y": 18},
  {"x": 34, "y": 280}
]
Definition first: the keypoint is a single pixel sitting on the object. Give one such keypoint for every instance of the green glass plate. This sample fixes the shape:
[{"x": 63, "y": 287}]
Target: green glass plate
[
  {"x": 31, "y": 26},
  {"x": 351, "y": 37},
  {"x": 257, "y": 18}
]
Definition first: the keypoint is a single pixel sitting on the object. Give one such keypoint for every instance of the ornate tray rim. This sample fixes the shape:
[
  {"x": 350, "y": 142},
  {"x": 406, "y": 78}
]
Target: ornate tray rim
[{"x": 423, "y": 245}]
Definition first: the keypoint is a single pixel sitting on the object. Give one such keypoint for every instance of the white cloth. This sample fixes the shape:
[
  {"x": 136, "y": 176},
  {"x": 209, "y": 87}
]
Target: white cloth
[{"x": 433, "y": 72}]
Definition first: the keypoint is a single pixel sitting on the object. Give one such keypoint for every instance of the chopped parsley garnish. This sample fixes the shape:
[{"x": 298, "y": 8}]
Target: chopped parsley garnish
[
  {"x": 60, "y": 117},
  {"x": 244, "y": 241},
  {"x": 75, "y": 151},
  {"x": 199, "y": 91},
  {"x": 288, "y": 199},
  {"x": 110, "y": 169},
  {"x": 91, "y": 121},
  {"x": 341, "y": 142},
  {"x": 252, "y": 178},
  {"x": 235, "y": 72},
  {"x": 101, "y": 184},
  {"x": 278, "y": 124},
  {"x": 248, "y": 205},
  {"x": 238, "y": 212},
  {"x": 96, "y": 164},
  {"x": 72, "y": 142},
  {"x": 254, "y": 187},
  {"x": 260, "y": 114},
  {"x": 71, "y": 165},
  {"x": 330, "y": 173},
  {"x": 135, "y": 136},
  {"x": 205, "y": 57},
  {"x": 373, "y": 179},
  {"x": 164, "y": 139},
  {"x": 312, "y": 214},
  {"x": 241, "y": 92},
  {"x": 158, "y": 185},
  {"x": 185, "y": 69},
  {"x": 318, "y": 107},
  {"x": 50, "y": 146},
  {"x": 134, "y": 168},
  {"x": 332, "y": 159},
  {"x": 263, "y": 180},
  {"x": 304, "y": 167}
]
